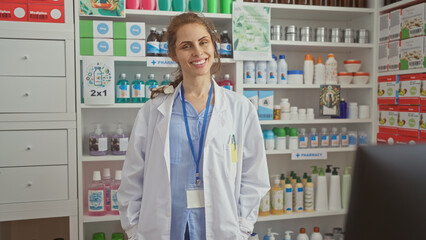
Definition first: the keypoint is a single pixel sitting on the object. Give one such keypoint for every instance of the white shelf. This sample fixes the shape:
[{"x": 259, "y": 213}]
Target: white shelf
[
  {"x": 300, "y": 86},
  {"x": 105, "y": 158},
  {"x": 318, "y": 46},
  {"x": 329, "y": 150},
  {"x": 118, "y": 105},
  {"x": 106, "y": 218},
  {"x": 137, "y": 59},
  {"x": 302, "y": 215},
  {"x": 36, "y": 30},
  {"x": 413, "y": 71},
  {"x": 397, "y": 5},
  {"x": 315, "y": 121}
]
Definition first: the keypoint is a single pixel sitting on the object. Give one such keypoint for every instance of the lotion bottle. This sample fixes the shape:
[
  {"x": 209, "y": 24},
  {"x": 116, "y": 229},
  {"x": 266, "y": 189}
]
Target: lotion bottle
[
  {"x": 328, "y": 175},
  {"x": 268, "y": 234},
  {"x": 321, "y": 197},
  {"x": 288, "y": 196},
  {"x": 316, "y": 235},
  {"x": 302, "y": 235},
  {"x": 335, "y": 200},
  {"x": 299, "y": 196},
  {"x": 308, "y": 69},
  {"x": 287, "y": 235},
  {"x": 265, "y": 205},
  {"x": 114, "y": 189},
  {"x": 346, "y": 188},
  {"x": 98, "y": 142},
  {"x": 314, "y": 175},
  {"x": 96, "y": 196},
  {"x": 331, "y": 70},
  {"x": 119, "y": 142},
  {"x": 309, "y": 196},
  {"x": 277, "y": 197}
]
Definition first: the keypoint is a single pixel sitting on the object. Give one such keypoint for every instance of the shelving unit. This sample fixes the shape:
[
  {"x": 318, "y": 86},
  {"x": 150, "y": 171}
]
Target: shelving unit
[
  {"x": 329, "y": 150},
  {"x": 302, "y": 86},
  {"x": 315, "y": 121},
  {"x": 302, "y": 215}
]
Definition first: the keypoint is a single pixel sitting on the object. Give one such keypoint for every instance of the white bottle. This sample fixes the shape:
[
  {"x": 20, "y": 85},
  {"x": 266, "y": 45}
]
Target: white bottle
[
  {"x": 335, "y": 138},
  {"x": 314, "y": 176},
  {"x": 261, "y": 72},
  {"x": 308, "y": 69},
  {"x": 287, "y": 235},
  {"x": 272, "y": 237},
  {"x": 331, "y": 70},
  {"x": 316, "y": 235},
  {"x": 249, "y": 72},
  {"x": 302, "y": 114},
  {"x": 335, "y": 200},
  {"x": 313, "y": 139},
  {"x": 319, "y": 72},
  {"x": 282, "y": 70},
  {"x": 294, "y": 115},
  {"x": 308, "y": 199},
  {"x": 272, "y": 71},
  {"x": 302, "y": 235},
  {"x": 293, "y": 139},
  {"x": 288, "y": 196},
  {"x": 298, "y": 191},
  {"x": 310, "y": 114},
  {"x": 344, "y": 137},
  {"x": 328, "y": 176},
  {"x": 321, "y": 197},
  {"x": 284, "y": 109},
  {"x": 346, "y": 188}
]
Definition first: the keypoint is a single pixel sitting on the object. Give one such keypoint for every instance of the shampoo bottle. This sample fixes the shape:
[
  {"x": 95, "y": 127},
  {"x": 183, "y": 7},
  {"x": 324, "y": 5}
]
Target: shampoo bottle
[
  {"x": 309, "y": 196},
  {"x": 196, "y": 5},
  {"x": 316, "y": 235},
  {"x": 119, "y": 142},
  {"x": 288, "y": 196},
  {"x": 314, "y": 175},
  {"x": 265, "y": 205},
  {"x": 122, "y": 94},
  {"x": 287, "y": 235},
  {"x": 114, "y": 189},
  {"x": 305, "y": 178},
  {"x": 335, "y": 200},
  {"x": 98, "y": 142},
  {"x": 302, "y": 235},
  {"x": 321, "y": 199},
  {"x": 212, "y": 6},
  {"x": 328, "y": 175},
  {"x": 165, "y": 5},
  {"x": 299, "y": 196},
  {"x": 277, "y": 197},
  {"x": 96, "y": 196},
  {"x": 346, "y": 188},
  {"x": 107, "y": 181},
  {"x": 179, "y": 5}
]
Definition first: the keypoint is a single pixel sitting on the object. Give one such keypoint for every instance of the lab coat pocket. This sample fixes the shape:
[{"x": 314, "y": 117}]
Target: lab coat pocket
[
  {"x": 230, "y": 160},
  {"x": 176, "y": 134}
]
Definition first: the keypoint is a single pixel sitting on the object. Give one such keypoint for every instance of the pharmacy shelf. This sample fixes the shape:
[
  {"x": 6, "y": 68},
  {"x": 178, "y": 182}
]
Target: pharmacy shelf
[
  {"x": 302, "y": 215},
  {"x": 119, "y": 105},
  {"x": 105, "y": 158},
  {"x": 301, "y": 86},
  {"x": 138, "y": 59},
  {"x": 36, "y": 30},
  {"x": 413, "y": 71},
  {"x": 328, "y": 150},
  {"x": 400, "y": 4},
  {"x": 318, "y": 46},
  {"x": 106, "y": 218},
  {"x": 315, "y": 121}
]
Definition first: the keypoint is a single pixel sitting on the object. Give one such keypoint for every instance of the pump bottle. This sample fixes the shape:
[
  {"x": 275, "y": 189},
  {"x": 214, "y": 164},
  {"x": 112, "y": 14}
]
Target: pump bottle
[
  {"x": 302, "y": 235},
  {"x": 270, "y": 235},
  {"x": 309, "y": 196},
  {"x": 346, "y": 188},
  {"x": 277, "y": 197},
  {"x": 328, "y": 175},
  {"x": 335, "y": 200},
  {"x": 314, "y": 175},
  {"x": 321, "y": 197},
  {"x": 265, "y": 206},
  {"x": 98, "y": 142},
  {"x": 288, "y": 235},
  {"x": 288, "y": 196},
  {"x": 119, "y": 142}
]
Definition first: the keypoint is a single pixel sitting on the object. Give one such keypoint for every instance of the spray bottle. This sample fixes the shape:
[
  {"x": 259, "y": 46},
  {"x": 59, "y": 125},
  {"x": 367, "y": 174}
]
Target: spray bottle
[
  {"x": 288, "y": 235},
  {"x": 335, "y": 199},
  {"x": 277, "y": 194},
  {"x": 346, "y": 188},
  {"x": 321, "y": 197}
]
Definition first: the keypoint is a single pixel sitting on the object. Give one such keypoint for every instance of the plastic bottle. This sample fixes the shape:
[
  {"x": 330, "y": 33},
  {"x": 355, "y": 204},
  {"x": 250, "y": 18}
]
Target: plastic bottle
[
  {"x": 308, "y": 69},
  {"x": 273, "y": 236},
  {"x": 227, "y": 83},
  {"x": 152, "y": 43},
  {"x": 149, "y": 4},
  {"x": 343, "y": 108},
  {"x": 299, "y": 196},
  {"x": 212, "y": 6},
  {"x": 331, "y": 70},
  {"x": 285, "y": 109},
  {"x": 303, "y": 140},
  {"x": 119, "y": 142},
  {"x": 314, "y": 143},
  {"x": 107, "y": 181},
  {"x": 164, "y": 5},
  {"x": 346, "y": 188},
  {"x": 305, "y": 178},
  {"x": 225, "y": 45},
  {"x": 316, "y": 235},
  {"x": 166, "y": 80},
  {"x": 225, "y": 6},
  {"x": 288, "y": 235},
  {"x": 328, "y": 176},
  {"x": 164, "y": 47},
  {"x": 149, "y": 85},
  {"x": 321, "y": 196},
  {"x": 282, "y": 70},
  {"x": 96, "y": 196},
  {"x": 268, "y": 234},
  {"x": 335, "y": 137},
  {"x": 325, "y": 138},
  {"x": 302, "y": 235},
  {"x": 277, "y": 194},
  {"x": 122, "y": 94},
  {"x": 272, "y": 71},
  {"x": 282, "y": 180},
  {"x": 114, "y": 189},
  {"x": 288, "y": 189},
  {"x": 261, "y": 72},
  {"x": 314, "y": 175},
  {"x": 265, "y": 206},
  {"x": 249, "y": 72},
  {"x": 133, "y": 4},
  {"x": 319, "y": 72},
  {"x": 268, "y": 136},
  {"x": 293, "y": 113},
  {"x": 293, "y": 139},
  {"x": 309, "y": 196},
  {"x": 138, "y": 89},
  {"x": 344, "y": 137},
  {"x": 281, "y": 139},
  {"x": 335, "y": 199},
  {"x": 179, "y": 5},
  {"x": 196, "y": 5},
  {"x": 98, "y": 142}
]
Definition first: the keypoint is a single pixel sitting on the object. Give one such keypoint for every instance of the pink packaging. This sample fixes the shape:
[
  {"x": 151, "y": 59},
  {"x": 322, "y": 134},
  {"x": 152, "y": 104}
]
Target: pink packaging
[
  {"x": 385, "y": 138},
  {"x": 134, "y": 4},
  {"x": 49, "y": 2}
]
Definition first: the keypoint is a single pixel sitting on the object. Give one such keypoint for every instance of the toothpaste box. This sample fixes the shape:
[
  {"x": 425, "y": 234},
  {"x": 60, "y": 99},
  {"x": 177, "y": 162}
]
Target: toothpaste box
[
  {"x": 388, "y": 116},
  {"x": 395, "y": 25},
  {"x": 129, "y": 47},
  {"x": 387, "y": 90},
  {"x": 13, "y": 12},
  {"x": 266, "y": 105},
  {"x": 51, "y": 2},
  {"x": 408, "y": 120},
  {"x": 409, "y": 89},
  {"x": 253, "y": 97},
  {"x": 46, "y": 13},
  {"x": 413, "y": 21},
  {"x": 129, "y": 30},
  {"x": 96, "y": 47},
  {"x": 383, "y": 57},
  {"x": 96, "y": 29},
  {"x": 385, "y": 138},
  {"x": 394, "y": 49},
  {"x": 407, "y": 140},
  {"x": 412, "y": 53},
  {"x": 384, "y": 22}
]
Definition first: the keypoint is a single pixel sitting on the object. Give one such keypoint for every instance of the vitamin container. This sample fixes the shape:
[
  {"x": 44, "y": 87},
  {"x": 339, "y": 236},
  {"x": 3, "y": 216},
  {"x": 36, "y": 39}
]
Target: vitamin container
[
  {"x": 348, "y": 35},
  {"x": 352, "y": 110},
  {"x": 352, "y": 65},
  {"x": 336, "y": 35},
  {"x": 364, "y": 111},
  {"x": 345, "y": 77},
  {"x": 361, "y": 77},
  {"x": 295, "y": 77},
  {"x": 276, "y": 32}
]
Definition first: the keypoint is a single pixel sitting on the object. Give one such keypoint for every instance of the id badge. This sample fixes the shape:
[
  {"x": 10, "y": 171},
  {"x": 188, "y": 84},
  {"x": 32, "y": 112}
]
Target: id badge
[{"x": 194, "y": 197}]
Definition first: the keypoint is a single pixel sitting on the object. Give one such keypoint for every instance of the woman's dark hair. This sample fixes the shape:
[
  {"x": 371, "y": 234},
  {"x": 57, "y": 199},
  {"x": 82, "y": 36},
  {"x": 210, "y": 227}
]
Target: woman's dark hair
[{"x": 176, "y": 23}]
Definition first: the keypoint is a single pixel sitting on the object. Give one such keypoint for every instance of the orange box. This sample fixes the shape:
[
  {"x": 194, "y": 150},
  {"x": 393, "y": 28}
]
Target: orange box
[
  {"x": 385, "y": 138},
  {"x": 49, "y": 2},
  {"x": 46, "y": 13},
  {"x": 13, "y": 12}
]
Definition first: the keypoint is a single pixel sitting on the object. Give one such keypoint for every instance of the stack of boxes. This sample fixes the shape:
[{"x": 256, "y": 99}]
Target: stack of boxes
[
  {"x": 263, "y": 102},
  {"x": 107, "y": 38},
  {"x": 32, "y": 10}
]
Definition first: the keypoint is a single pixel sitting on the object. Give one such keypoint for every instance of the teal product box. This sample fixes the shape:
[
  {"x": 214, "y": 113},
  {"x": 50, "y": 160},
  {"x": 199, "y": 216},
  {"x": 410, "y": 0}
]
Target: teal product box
[
  {"x": 129, "y": 30},
  {"x": 132, "y": 48},
  {"x": 96, "y": 29},
  {"x": 96, "y": 47},
  {"x": 266, "y": 105},
  {"x": 253, "y": 96}
]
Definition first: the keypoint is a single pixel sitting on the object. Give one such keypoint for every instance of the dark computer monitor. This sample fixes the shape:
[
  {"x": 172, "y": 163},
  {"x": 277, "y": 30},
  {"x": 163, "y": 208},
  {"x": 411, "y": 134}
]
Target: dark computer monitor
[{"x": 388, "y": 197}]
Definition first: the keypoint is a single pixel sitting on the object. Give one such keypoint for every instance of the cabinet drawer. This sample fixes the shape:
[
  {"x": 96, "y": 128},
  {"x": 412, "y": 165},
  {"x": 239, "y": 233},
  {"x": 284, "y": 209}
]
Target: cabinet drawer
[
  {"x": 32, "y": 95},
  {"x": 32, "y": 148},
  {"x": 32, "y": 57},
  {"x": 31, "y": 184}
]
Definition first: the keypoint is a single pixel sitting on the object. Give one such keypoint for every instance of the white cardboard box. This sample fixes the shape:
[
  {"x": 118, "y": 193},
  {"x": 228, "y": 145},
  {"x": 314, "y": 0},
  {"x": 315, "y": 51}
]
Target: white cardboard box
[
  {"x": 413, "y": 21},
  {"x": 384, "y": 27},
  {"x": 383, "y": 57},
  {"x": 395, "y": 25},
  {"x": 394, "y": 49},
  {"x": 103, "y": 47},
  {"x": 412, "y": 53}
]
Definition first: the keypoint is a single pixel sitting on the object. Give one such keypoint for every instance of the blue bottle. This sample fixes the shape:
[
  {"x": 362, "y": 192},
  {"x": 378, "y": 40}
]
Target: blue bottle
[
  {"x": 122, "y": 91},
  {"x": 343, "y": 109}
]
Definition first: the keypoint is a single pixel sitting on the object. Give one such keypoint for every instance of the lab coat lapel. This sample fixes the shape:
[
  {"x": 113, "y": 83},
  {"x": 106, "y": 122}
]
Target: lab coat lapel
[{"x": 217, "y": 119}]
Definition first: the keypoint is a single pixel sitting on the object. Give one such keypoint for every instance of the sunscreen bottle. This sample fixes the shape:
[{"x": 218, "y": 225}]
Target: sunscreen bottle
[
  {"x": 277, "y": 197},
  {"x": 335, "y": 200},
  {"x": 288, "y": 196},
  {"x": 299, "y": 196},
  {"x": 346, "y": 188},
  {"x": 321, "y": 197},
  {"x": 309, "y": 196}
]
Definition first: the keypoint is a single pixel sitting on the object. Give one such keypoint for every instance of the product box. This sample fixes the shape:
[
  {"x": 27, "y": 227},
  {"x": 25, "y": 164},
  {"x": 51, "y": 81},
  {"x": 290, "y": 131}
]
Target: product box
[
  {"x": 384, "y": 21},
  {"x": 412, "y": 53},
  {"x": 394, "y": 49},
  {"x": 14, "y": 12},
  {"x": 46, "y": 13},
  {"x": 388, "y": 116},
  {"x": 129, "y": 30},
  {"x": 266, "y": 105},
  {"x": 408, "y": 120},
  {"x": 387, "y": 90},
  {"x": 423, "y": 90},
  {"x": 96, "y": 29},
  {"x": 13, "y": 1},
  {"x": 253, "y": 97},
  {"x": 409, "y": 89},
  {"x": 422, "y": 122},
  {"x": 96, "y": 47},
  {"x": 134, "y": 48},
  {"x": 385, "y": 138},
  {"x": 407, "y": 140},
  {"x": 395, "y": 25},
  {"x": 413, "y": 21},
  {"x": 50, "y": 2},
  {"x": 383, "y": 57}
]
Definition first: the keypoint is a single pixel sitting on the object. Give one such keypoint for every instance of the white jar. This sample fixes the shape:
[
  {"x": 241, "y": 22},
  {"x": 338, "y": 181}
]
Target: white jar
[
  {"x": 285, "y": 105},
  {"x": 364, "y": 111},
  {"x": 281, "y": 143},
  {"x": 310, "y": 114},
  {"x": 295, "y": 77},
  {"x": 285, "y": 116},
  {"x": 294, "y": 115},
  {"x": 352, "y": 110},
  {"x": 302, "y": 114}
]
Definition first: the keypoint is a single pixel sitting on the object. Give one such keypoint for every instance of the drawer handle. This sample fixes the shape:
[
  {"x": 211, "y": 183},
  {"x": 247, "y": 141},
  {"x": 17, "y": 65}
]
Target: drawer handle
[
  {"x": 26, "y": 57},
  {"x": 29, "y": 184},
  {"x": 29, "y": 148},
  {"x": 27, "y": 94}
]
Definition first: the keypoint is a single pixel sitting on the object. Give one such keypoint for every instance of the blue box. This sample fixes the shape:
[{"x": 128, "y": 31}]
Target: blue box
[{"x": 266, "y": 105}]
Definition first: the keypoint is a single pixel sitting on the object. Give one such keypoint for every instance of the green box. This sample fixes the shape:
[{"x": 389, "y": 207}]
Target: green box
[
  {"x": 86, "y": 28},
  {"x": 86, "y": 46},
  {"x": 119, "y": 31},
  {"x": 120, "y": 47}
]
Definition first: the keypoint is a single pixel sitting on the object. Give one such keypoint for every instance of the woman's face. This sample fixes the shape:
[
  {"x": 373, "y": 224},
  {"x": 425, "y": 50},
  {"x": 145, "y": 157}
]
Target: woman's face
[{"x": 194, "y": 50}]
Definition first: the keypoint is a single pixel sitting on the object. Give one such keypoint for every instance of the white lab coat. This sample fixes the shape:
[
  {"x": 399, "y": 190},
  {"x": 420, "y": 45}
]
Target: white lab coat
[{"x": 232, "y": 191}]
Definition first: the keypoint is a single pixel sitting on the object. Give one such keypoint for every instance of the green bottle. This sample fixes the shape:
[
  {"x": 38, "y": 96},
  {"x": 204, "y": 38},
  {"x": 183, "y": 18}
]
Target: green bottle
[
  {"x": 122, "y": 90},
  {"x": 225, "y": 6},
  {"x": 138, "y": 89},
  {"x": 117, "y": 236},
  {"x": 196, "y": 5},
  {"x": 98, "y": 236},
  {"x": 150, "y": 84},
  {"x": 166, "y": 80},
  {"x": 212, "y": 6},
  {"x": 179, "y": 5}
]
